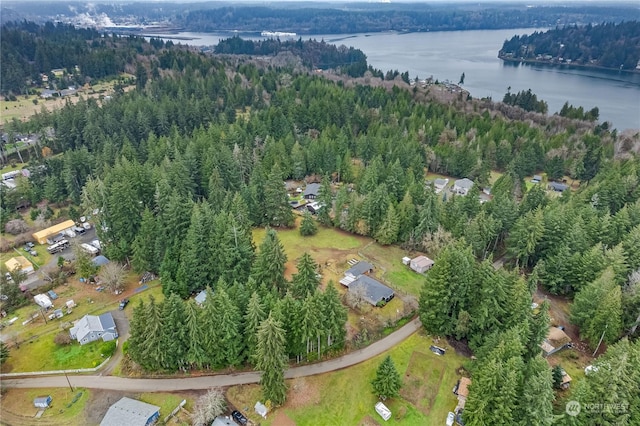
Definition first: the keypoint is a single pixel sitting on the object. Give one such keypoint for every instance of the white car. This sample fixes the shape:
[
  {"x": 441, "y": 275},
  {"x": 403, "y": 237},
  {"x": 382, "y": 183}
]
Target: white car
[{"x": 450, "y": 418}]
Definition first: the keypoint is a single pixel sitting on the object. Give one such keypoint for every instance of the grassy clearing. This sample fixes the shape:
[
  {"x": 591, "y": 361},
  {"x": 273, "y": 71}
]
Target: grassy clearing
[
  {"x": 391, "y": 269},
  {"x": 345, "y": 397},
  {"x": 166, "y": 401},
  {"x": 17, "y": 406}
]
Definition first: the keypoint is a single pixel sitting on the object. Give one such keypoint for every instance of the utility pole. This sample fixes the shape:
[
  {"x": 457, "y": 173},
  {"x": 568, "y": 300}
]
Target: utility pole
[
  {"x": 67, "y": 377},
  {"x": 600, "y": 342}
]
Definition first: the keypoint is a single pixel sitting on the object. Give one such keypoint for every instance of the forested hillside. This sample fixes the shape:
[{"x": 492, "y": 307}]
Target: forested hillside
[
  {"x": 607, "y": 45},
  {"x": 30, "y": 51},
  {"x": 179, "y": 170}
]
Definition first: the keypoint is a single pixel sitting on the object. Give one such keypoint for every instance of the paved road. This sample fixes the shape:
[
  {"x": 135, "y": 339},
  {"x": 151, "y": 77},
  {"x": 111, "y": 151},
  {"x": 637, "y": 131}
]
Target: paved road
[{"x": 205, "y": 382}]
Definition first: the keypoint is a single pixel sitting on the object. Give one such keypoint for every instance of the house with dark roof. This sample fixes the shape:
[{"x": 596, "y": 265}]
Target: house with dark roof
[
  {"x": 100, "y": 260},
  {"x": 462, "y": 186},
  {"x": 91, "y": 328},
  {"x": 375, "y": 292},
  {"x": 131, "y": 412},
  {"x": 358, "y": 269},
  {"x": 558, "y": 186},
  {"x": 311, "y": 191}
]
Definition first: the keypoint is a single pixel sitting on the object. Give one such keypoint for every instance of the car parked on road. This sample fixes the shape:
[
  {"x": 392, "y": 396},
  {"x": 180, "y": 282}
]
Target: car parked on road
[
  {"x": 123, "y": 304},
  {"x": 239, "y": 417}
]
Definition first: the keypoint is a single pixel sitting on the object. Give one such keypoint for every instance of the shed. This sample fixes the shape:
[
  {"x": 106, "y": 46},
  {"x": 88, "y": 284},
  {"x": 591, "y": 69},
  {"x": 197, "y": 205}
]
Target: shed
[
  {"x": 201, "y": 297},
  {"x": 42, "y": 401},
  {"x": 462, "y": 391},
  {"x": 131, "y": 412},
  {"x": 439, "y": 184},
  {"x": 406, "y": 260},
  {"x": 375, "y": 292},
  {"x": 70, "y": 304},
  {"x": 556, "y": 340},
  {"x": 261, "y": 409},
  {"x": 41, "y": 236},
  {"x": 421, "y": 264},
  {"x": 536, "y": 179},
  {"x": 19, "y": 263},
  {"x": 100, "y": 260}
]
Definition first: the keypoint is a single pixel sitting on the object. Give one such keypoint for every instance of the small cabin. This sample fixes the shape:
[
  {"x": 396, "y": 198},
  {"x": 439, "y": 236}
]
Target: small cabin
[{"x": 42, "y": 401}]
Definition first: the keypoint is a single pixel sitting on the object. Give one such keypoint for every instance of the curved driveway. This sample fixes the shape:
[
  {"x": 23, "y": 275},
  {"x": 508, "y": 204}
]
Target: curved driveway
[{"x": 205, "y": 382}]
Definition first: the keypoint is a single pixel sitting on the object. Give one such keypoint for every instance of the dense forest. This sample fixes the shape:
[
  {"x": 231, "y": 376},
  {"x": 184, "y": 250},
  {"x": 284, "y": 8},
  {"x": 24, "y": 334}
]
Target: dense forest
[
  {"x": 390, "y": 17},
  {"x": 183, "y": 167},
  {"x": 30, "y": 51},
  {"x": 314, "y": 54},
  {"x": 607, "y": 45}
]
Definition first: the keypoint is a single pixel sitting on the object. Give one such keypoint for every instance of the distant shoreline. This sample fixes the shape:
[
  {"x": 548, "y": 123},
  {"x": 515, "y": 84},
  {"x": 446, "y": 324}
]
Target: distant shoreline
[{"x": 563, "y": 64}]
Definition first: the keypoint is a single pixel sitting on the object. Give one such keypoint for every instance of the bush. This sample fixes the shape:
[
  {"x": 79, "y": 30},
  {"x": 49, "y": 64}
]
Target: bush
[
  {"x": 16, "y": 226},
  {"x": 33, "y": 214},
  {"x": 108, "y": 348},
  {"x": 62, "y": 339}
]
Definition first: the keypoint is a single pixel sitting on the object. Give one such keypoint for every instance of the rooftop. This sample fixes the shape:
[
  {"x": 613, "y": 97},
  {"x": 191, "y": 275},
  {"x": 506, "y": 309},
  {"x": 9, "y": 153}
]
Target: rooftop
[
  {"x": 129, "y": 412},
  {"x": 375, "y": 291},
  {"x": 359, "y": 268}
]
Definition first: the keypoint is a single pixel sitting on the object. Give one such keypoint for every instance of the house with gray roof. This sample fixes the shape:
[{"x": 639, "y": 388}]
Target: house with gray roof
[
  {"x": 131, "y": 412},
  {"x": 462, "y": 186},
  {"x": 358, "y": 269},
  {"x": 311, "y": 191},
  {"x": 223, "y": 421},
  {"x": 201, "y": 297},
  {"x": 91, "y": 328},
  {"x": 439, "y": 184},
  {"x": 375, "y": 292},
  {"x": 558, "y": 187}
]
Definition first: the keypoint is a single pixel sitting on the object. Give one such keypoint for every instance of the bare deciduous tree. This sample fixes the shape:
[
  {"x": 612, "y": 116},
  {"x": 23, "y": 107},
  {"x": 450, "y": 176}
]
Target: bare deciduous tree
[
  {"x": 356, "y": 297},
  {"x": 16, "y": 226},
  {"x": 208, "y": 407},
  {"x": 112, "y": 276}
]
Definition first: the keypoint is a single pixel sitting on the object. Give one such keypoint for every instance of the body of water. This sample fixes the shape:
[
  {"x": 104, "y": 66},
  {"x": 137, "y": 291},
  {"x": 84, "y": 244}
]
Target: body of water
[{"x": 446, "y": 55}]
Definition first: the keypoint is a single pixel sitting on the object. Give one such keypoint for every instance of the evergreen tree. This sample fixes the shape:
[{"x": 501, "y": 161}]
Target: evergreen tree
[
  {"x": 325, "y": 199},
  {"x": 536, "y": 404},
  {"x": 308, "y": 225},
  {"x": 253, "y": 317},
  {"x": 445, "y": 292},
  {"x": 174, "y": 333},
  {"x": 270, "y": 263},
  {"x": 271, "y": 359},
  {"x": 195, "y": 352},
  {"x": 277, "y": 210},
  {"x": 388, "y": 231},
  {"x": 153, "y": 355},
  {"x": 194, "y": 274},
  {"x": 306, "y": 280},
  {"x": 597, "y": 310},
  {"x": 144, "y": 245},
  {"x": 227, "y": 332},
  {"x": 387, "y": 383},
  {"x": 335, "y": 314}
]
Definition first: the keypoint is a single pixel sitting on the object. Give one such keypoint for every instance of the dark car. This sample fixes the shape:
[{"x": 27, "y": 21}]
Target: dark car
[
  {"x": 123, "y": 304},
  {"x": 239, "y": 417}
]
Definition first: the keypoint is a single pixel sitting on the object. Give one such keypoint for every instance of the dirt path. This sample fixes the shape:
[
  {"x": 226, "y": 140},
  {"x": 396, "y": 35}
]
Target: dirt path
[{"x": 205, "y": 382}]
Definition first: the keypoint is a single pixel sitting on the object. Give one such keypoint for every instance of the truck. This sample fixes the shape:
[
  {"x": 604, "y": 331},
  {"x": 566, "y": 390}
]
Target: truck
[{"x": 88, "y": 248}]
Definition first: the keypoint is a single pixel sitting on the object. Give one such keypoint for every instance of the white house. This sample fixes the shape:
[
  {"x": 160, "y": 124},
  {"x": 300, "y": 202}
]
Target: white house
[
  {"x": 91, "y": 328},
  {"x": 462, "y": 186},
  {"x": 439, "y": 184}
]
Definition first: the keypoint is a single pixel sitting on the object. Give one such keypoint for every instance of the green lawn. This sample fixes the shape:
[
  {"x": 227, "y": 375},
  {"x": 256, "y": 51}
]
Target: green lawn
[
  {"x": 66, "y": 405},
  {"x": 388, "y": 260},
  {"x": 345, "y": 397},
  {"x": 42, "y": 354},
  {"x": 166, "y": 401}
]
